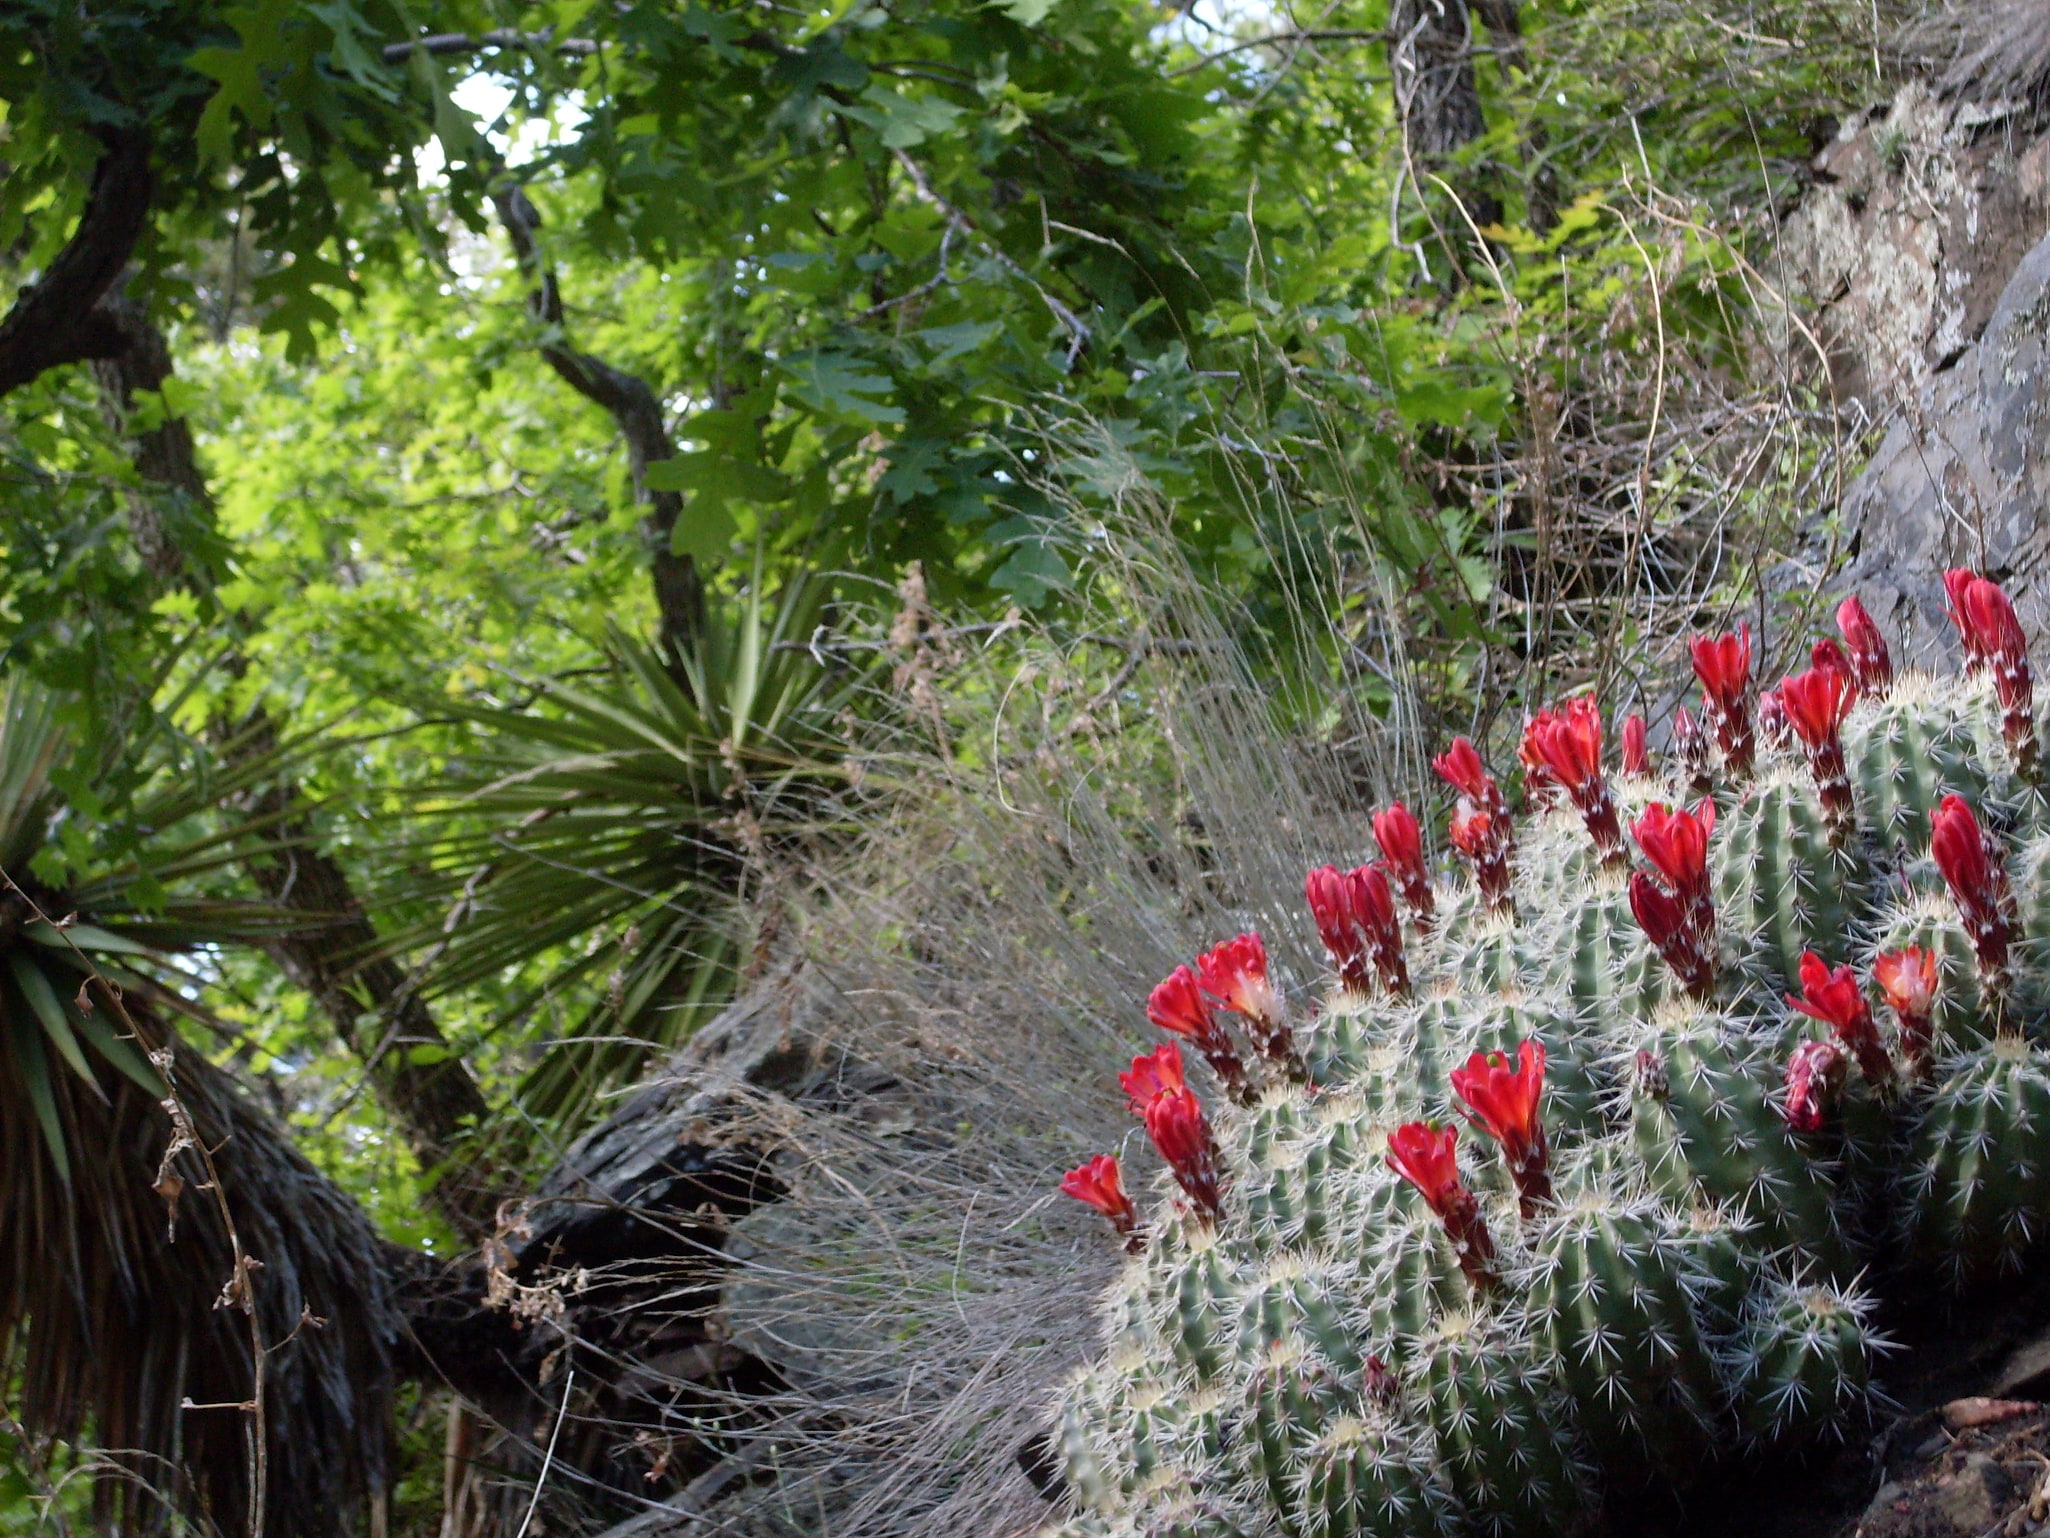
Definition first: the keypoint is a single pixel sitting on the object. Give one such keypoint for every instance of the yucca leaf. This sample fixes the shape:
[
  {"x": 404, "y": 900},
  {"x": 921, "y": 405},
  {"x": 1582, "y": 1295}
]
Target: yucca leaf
[
  {"x": 86, "y": 937},
  {"x": 25, "y": 1036},
  {"x": 44, "y": 1004}
]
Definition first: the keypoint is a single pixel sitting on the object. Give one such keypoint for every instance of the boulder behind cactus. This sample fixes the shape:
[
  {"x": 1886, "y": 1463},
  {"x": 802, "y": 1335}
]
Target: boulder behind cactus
[{"x": 1693, "y": 1139}]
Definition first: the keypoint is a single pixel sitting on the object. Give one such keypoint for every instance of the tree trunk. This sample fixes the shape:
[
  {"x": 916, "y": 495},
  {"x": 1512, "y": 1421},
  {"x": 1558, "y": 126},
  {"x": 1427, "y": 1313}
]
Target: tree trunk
[{"x": 335, "y": 956}]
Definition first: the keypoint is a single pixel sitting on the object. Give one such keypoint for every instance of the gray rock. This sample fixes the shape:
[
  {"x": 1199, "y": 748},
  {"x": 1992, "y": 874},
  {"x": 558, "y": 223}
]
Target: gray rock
[{"x": 1963, "y": 478}]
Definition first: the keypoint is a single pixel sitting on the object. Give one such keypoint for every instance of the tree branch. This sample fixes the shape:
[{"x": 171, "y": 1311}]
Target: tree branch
[
  {"x": 679, "y": 591},
  {"x": 54, "y": 320},
  {"x": 444, "y": 44}
]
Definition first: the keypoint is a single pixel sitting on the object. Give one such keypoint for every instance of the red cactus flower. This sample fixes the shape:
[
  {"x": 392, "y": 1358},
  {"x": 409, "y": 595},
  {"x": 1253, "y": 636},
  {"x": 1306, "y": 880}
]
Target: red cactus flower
[
  {"x": 1676, "y": 843},
  {"x": 1177, "y": 1126},
  {"x": 1460, "y": 767},
  {"x": 1668, "y": 922},
  {"x": 1503, "y": 1102},
  {"x": 1978, "y": 885},
  {"x": 1816, "y": 703},
  {"x": 1541, "y": 787},
  {"x": 1482, "y": 836},
  {"x": 1723, "y": 666},
  {"x": 1870, "y": 662},
  {"x": 1993, "y": 638},
  {"x": 1815, "y": 1075},
  {"x": 1636, "y": 749},
  {"x": 1567, "y": 744},
  {"x": 1335, "y": 910},
  {"x": 1101, "y": 1185},
  {"x": 1834, "y": 998},
  {"x": 1235, "y": 974},
  {"x": 1827, "y": 654},
  {"x": 1908, "y": 979},
  {"x": 1428, "y": 1159},
  {"x": 1152, "y": 1075},
  {"x": 1401, "y": 839},
  {"x": 1178, "y": 1007}
]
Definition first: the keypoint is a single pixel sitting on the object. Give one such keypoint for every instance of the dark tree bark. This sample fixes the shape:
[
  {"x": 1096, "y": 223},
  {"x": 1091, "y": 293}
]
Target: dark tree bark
[
  {"x": 335, "y": 955},
  {"x": 1437, "y": 92},
  {"x": 54, "y": 320},
  {"x": 679, "y": 590}
]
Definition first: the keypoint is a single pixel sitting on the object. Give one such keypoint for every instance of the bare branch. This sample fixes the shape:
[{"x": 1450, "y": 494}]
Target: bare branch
[{"x": 445, "y": 44}]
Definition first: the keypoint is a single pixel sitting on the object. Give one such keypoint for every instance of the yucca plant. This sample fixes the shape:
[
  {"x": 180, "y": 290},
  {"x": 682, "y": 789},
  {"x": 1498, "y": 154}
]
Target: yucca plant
[
  {"x": 159, "y": 1236},
  {"x": 610, "y": 827}
]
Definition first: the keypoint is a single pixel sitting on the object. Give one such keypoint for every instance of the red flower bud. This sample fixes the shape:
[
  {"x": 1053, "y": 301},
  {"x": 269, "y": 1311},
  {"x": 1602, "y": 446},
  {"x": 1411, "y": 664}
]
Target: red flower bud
[
  {"x": 1175, "y": 1123},
  {"x": 1402, "y": 844},
  {"x": 1870, "y": 663},
  {"x": 1993, "y": 638},
  {"x": 1100, "y": 1184},
  {"x": 1429, "y": 1160},
  {"x": 1815, "y": 1074},
  {"x": 1355, "y": 916},
  {"x": 1504, "y": 1102},
  {"x": 1636, "y": 752},
  {"x": 1723, "y": 666},
  {"x": 1460, "y": 767},
  {"x": 1816, "y": 703},
  {"x": 1834, "y": 998},
  {"x": 1978, "y": 885}
]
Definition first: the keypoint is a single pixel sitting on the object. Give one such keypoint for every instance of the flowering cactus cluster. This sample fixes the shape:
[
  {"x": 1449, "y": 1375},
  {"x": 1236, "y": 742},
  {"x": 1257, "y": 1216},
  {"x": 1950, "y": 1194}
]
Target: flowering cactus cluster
[{"x": 1578, "y": 1172}]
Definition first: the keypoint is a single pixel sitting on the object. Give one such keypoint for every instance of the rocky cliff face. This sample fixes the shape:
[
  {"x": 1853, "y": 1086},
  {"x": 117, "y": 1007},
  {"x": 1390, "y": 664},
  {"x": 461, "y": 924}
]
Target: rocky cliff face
[{"x": 1924, "y": 243}]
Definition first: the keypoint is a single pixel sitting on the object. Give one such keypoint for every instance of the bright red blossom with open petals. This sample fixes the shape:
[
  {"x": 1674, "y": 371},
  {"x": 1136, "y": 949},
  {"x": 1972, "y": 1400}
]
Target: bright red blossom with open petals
[
  {"x": 1835, "y": 998},
  {"x": 1236, "y": 973},
  {"x": 1908, "y": 979},
  {"x": 1460, "y": 767},
  {"x": 1816, "y": 703},
  {"x": 1504, "y": 1102},
  {"x": 1567, "y": 742},
  {"x": 1152, "y": 1075},
  {"x": 1101, "y": 1185},
  {"x": 1428, "y": 1158}
]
